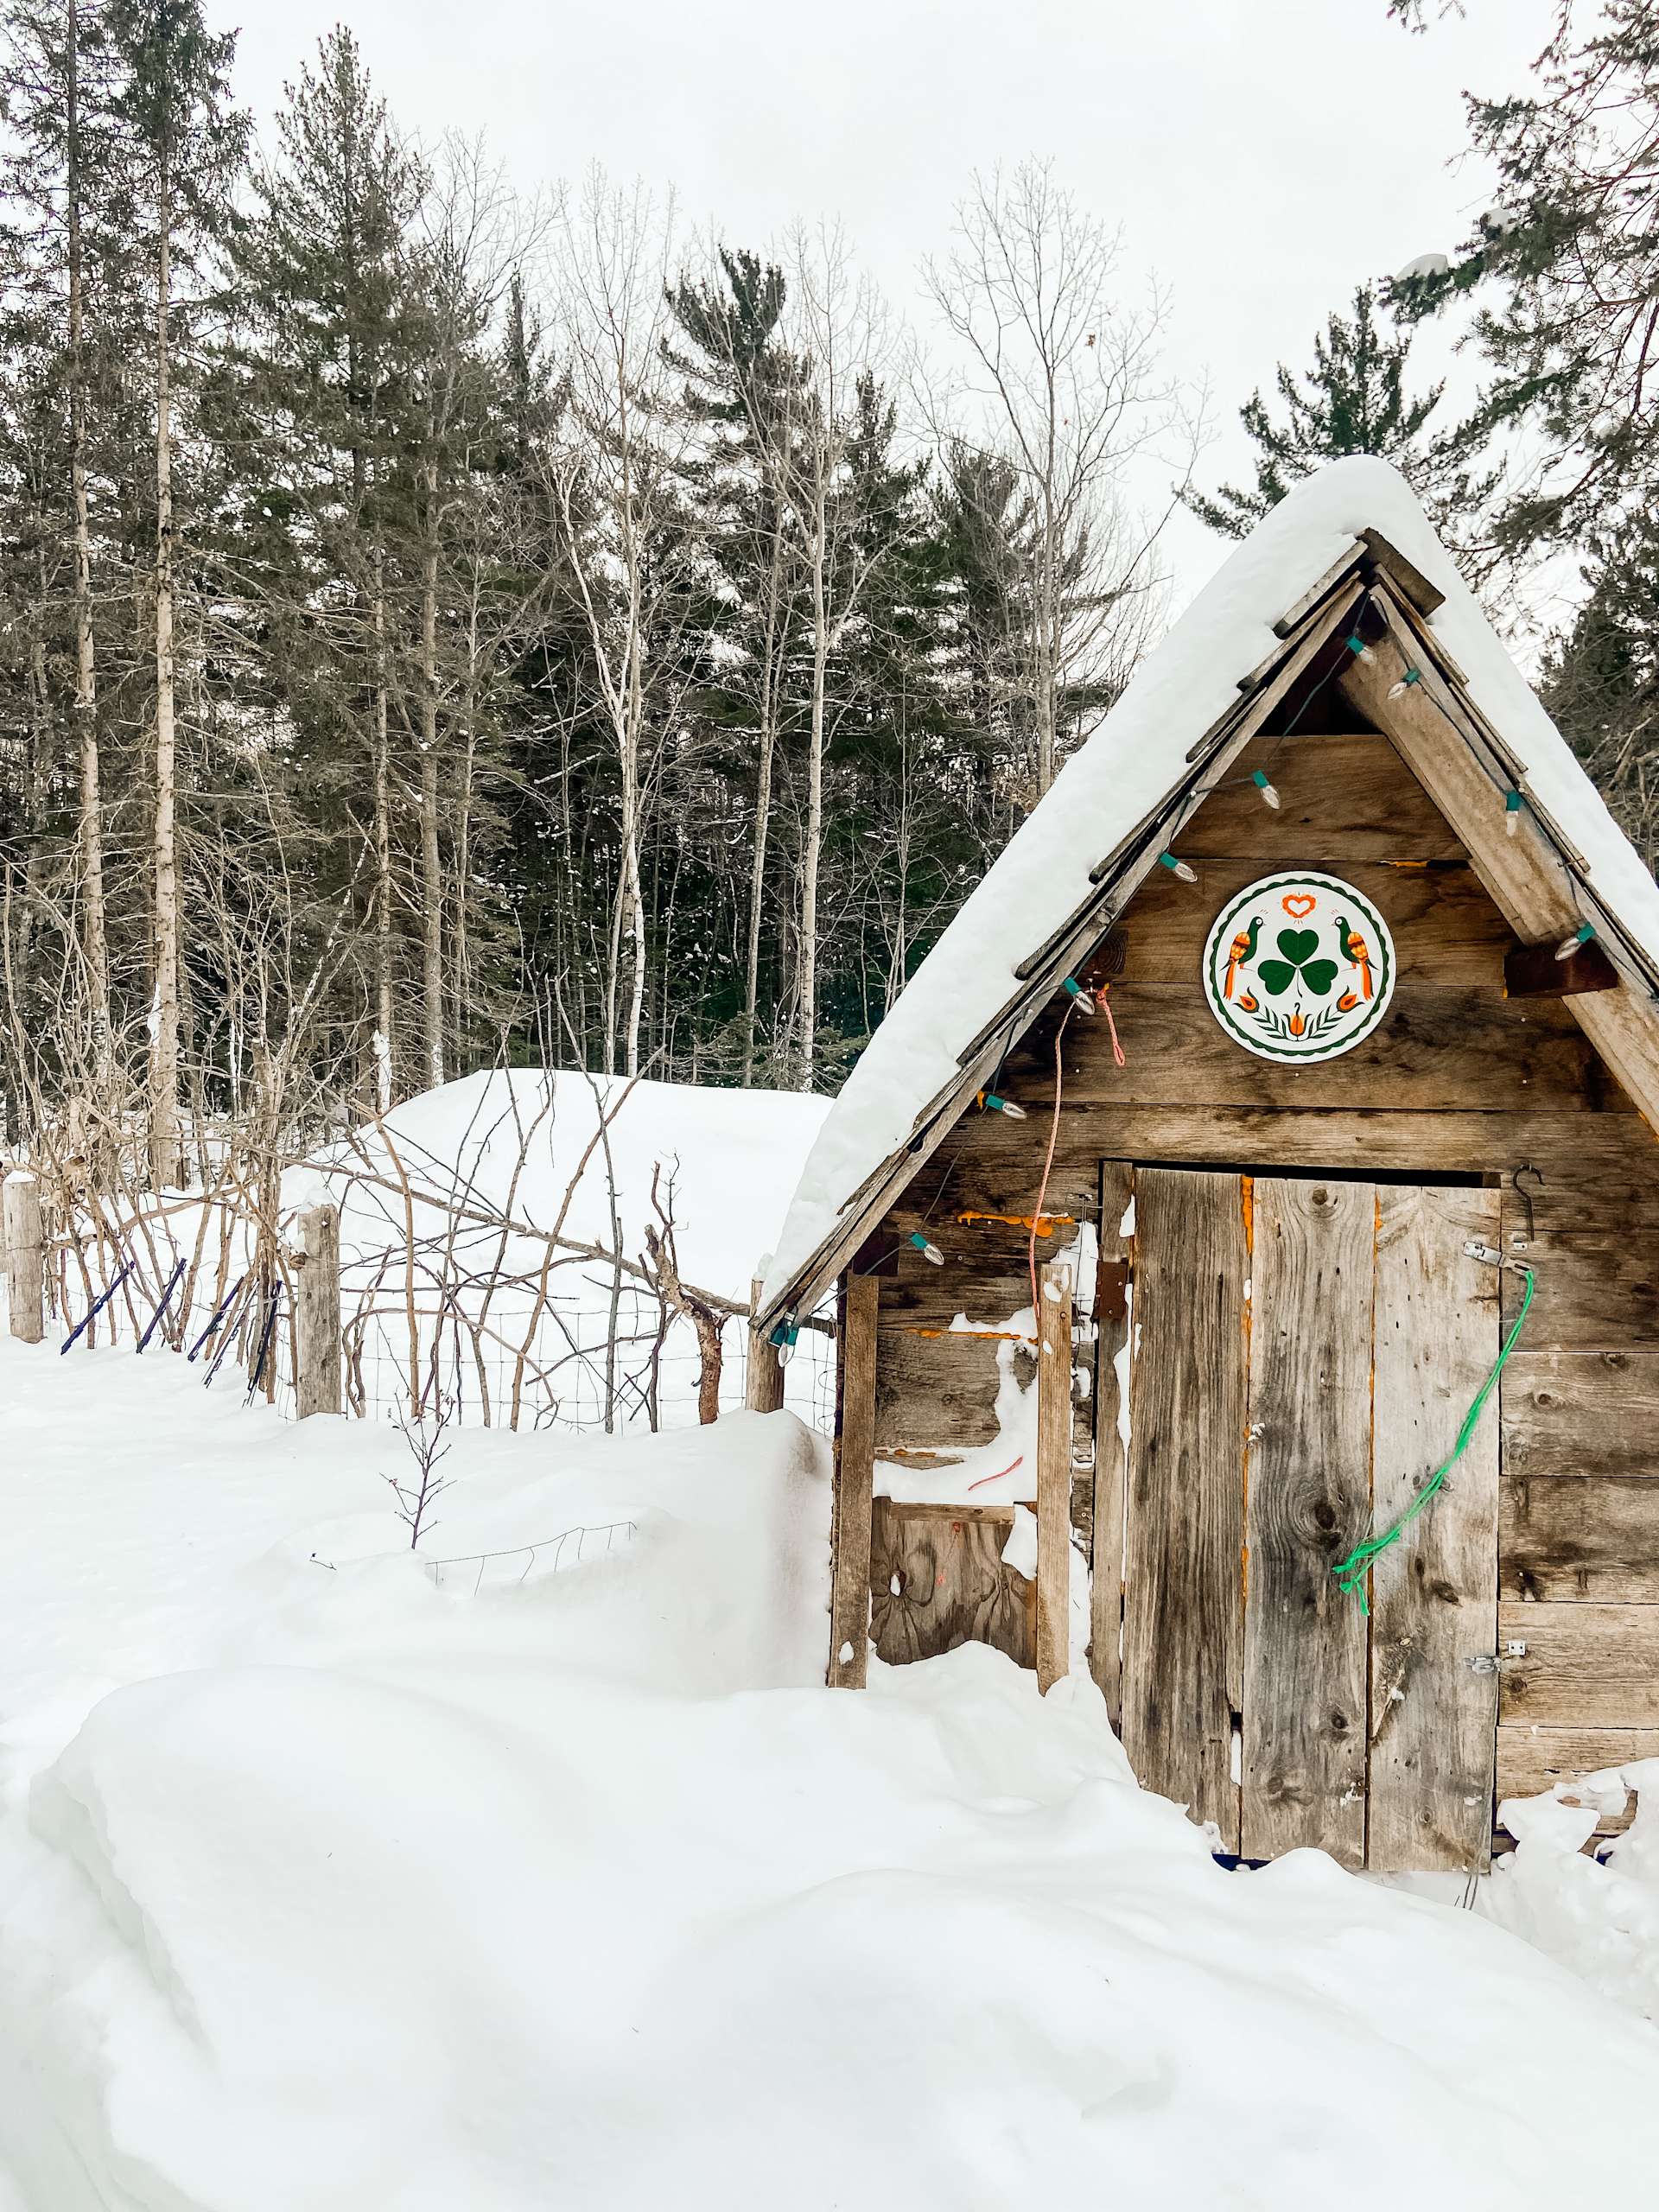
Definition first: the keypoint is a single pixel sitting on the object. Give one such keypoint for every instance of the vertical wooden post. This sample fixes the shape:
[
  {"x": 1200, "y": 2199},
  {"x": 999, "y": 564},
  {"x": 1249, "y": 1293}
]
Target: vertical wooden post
[
  {"x": 763, "y": 1387},
  {"x": 316, "y": 1312},
  {"x": 850, "y": 1567},
  {"x": 1053, "y": 1473},
  {"x": 25, "y": 1257}
]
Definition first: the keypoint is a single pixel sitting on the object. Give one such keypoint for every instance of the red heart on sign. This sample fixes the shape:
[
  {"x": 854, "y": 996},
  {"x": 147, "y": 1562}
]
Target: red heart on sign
[{"x": 1299, "y": 903}]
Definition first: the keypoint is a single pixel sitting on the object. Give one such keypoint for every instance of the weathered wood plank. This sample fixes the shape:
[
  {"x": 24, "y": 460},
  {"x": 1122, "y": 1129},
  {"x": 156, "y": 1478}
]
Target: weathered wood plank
[
  {"x": 316, "y": 1312},
  {"x": 1445, "y": 927},
  {"x": 1582, "y": 1413},
  {"x": 1307, "y": 1489},
  {"x": 1593, "y": 1289},
  {"x": 1299, "y": 609},
  {"x": 1437, "y": 1047},
  {"x": 1435, "y": 1592},
  {"x": 1111, "y": 1374},
  {"x": 1531, "y": 1760},
  {"x": 935, "y": 1393},
  {"x": 1053, "y": 1474},
  {"x": 1182, "y": 1615},
  {"x": 1577, "y": 1151},
  {"x": 1579, "y": 1537},
  {"x": 1583, "y": 1667},
  {"x": 1411, "y": 581},
  {"x": 937, "y": 1581},
  {"x": 1524, "y": 875},
  {"x": 1353, "y": 797},
  {"x": 849, "y": 1606}
]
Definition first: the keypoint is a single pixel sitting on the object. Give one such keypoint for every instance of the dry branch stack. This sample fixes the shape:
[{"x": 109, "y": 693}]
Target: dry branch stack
[{"x": 1354, "y": 1079}]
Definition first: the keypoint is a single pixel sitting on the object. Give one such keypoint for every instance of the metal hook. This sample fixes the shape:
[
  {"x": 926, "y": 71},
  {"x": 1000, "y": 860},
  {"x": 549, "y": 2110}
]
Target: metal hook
[{"x": 1525, "y": 1197}]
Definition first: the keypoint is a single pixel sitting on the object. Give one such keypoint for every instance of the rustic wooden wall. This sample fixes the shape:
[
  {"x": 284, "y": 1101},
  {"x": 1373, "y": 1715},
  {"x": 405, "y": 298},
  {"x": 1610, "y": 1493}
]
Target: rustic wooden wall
[{"x": 1457, "y": 1080}]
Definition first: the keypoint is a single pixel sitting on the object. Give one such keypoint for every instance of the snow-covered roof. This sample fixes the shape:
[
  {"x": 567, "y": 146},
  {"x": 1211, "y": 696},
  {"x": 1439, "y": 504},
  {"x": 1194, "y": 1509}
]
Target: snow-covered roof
[{"x": 1126, "y": 771}]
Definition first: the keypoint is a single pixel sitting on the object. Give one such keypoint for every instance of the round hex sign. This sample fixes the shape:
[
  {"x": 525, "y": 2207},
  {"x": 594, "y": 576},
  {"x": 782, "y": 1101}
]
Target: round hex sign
[{"x": 1299, "y": 967}]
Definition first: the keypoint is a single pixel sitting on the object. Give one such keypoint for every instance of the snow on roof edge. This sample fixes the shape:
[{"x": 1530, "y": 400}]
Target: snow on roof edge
[{"x": 1127, "y": 769}]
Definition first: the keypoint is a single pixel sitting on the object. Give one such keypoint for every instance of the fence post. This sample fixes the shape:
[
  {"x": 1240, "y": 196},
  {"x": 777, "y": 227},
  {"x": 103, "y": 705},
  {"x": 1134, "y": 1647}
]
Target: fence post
[
  {"x": 762, "y": 1389},
  {"x": 316, "y": 1312},
  {"x": 1053, "y": 1475},
  {"x": 25, "y": 1257}
]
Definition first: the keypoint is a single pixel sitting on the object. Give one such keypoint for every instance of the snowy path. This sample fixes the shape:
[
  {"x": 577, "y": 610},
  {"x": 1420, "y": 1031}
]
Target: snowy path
[{"x": 323, "y": 1887}]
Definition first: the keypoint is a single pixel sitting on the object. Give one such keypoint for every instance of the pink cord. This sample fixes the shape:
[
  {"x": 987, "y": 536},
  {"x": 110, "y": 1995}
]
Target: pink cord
[{"x": 984, "y": 1479}]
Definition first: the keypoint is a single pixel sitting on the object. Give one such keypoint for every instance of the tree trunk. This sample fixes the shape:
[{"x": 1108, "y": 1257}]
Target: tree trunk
[
  {"x": 809, "y": 952},
  {"x": 90, "y": 827},
  {"x": 385, "y": 1052},
  {"x": 164, "y": 1163},
  {"x": 431, "y": 858}
]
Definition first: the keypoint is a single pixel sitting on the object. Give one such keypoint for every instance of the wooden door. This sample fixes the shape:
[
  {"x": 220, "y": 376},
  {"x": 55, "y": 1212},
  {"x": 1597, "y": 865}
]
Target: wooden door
[{"x": 1303, "y": 1353}]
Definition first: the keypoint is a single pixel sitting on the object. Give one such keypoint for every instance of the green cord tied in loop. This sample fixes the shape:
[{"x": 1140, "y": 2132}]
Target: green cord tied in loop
[{"x": 1351, "y": 1572}]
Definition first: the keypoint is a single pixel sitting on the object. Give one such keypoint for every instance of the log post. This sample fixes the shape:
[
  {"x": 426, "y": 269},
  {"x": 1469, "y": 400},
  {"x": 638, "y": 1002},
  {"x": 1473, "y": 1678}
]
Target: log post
[
  {"x": 316, "y": 1312},
  {"x": 849, "y": 1566},
  {"x": 1053, "y": 1474},
  {"x": 763, "y": 1387},
  {"x": 25, "y": 1257}
]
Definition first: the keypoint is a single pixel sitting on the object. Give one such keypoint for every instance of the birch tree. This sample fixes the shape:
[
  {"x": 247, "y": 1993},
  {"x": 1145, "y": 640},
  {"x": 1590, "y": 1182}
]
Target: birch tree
[{"x": 1053, "y": 371}]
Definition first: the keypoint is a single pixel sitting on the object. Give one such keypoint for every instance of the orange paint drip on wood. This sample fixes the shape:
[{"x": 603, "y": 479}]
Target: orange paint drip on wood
[{"x": 1044, "y": 1224}]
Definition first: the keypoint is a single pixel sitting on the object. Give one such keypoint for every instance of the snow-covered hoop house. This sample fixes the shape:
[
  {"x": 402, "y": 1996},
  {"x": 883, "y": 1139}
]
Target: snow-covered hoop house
[{"x": 1373, "y": 1036}]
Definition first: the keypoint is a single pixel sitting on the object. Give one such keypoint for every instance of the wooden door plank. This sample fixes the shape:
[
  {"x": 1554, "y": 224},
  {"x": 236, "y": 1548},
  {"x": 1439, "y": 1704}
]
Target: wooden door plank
[
  {"x": 1053, "y": 1474},
  {"x": 1183, "y": 1645},
  {"x": 1435, "y": 1592},
  {"x": 1112, "y": 1303},
  {"x": 1308, "y": 1497},
  {"x": 849, "y": 1600}
]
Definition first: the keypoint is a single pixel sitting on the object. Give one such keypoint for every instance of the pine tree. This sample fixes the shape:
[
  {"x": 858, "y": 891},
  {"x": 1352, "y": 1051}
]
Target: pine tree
[
  {"x": 1566, "y": 268},
  {"x": 1353, "y": 400},
  {"x": 1600, "y": 680}
]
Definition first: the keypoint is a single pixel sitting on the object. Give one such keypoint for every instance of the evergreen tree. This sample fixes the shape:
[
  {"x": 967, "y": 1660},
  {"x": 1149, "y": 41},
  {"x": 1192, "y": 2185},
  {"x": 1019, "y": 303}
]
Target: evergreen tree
[
  {"x": 1600, "y": 680},
  {"x": 1353, "y": 400},
  {"x": 1566, "y": 268}
]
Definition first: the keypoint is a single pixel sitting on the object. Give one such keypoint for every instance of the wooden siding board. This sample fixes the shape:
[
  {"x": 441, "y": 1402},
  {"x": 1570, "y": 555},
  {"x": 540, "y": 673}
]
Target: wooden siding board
[
  {"x": 850, "y": 1612},
  {"x": 1112, "y": 1307},
  {"x": 1350, "y": 799},
  {"x": 936, "y": 1579},
  {"x": 1585, "y": 1665},
  {"x": 1434, "y": 1591},
  {"x": 1531, "y": 1760},
  {"x": 1445, "y": 927},
  {"x": 1593, "y": 1289},
  {"x": 1307, "y": 1494},
  {"x": 1183, "y": 1628},
  {"x": 1582, "y": 1413},
  {"x": 1579, "y": 1537},
  {"x": 1438, "y": 1047}
]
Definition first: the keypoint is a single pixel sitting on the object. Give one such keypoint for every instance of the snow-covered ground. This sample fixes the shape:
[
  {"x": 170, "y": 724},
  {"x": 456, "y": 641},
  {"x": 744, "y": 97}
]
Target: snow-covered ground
[{"x": 325, "y": 1882}]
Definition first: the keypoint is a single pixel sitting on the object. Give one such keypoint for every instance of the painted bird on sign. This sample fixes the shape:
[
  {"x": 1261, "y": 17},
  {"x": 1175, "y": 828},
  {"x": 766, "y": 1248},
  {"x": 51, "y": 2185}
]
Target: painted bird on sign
[
  {"x": 1355, "y": 951},
  {"x": 1242, "y": 949}
]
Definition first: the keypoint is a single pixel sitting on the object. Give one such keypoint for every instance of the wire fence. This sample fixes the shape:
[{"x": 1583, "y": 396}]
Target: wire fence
[{"x": 431, "y": 1326}]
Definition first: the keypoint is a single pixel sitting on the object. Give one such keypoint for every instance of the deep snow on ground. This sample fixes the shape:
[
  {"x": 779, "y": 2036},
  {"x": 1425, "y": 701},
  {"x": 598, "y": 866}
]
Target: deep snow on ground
[{"x": 324, "y": 1886}]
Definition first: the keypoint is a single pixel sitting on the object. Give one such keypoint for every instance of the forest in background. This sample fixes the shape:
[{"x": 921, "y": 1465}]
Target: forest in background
[{"x": 438, "y": 626}]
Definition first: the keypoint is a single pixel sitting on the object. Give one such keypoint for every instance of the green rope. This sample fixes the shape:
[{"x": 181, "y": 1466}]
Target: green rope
[{"x": 1351, "y": 1572}]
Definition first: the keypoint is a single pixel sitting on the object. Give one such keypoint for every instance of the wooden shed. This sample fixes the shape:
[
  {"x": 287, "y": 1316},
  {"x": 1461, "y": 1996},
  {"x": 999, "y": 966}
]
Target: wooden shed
[{"x": 1381, "y": 1068}]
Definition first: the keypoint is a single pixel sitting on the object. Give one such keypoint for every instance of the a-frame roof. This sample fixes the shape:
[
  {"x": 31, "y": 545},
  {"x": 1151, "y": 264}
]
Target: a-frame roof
[{"x": 1349, "y": 546}]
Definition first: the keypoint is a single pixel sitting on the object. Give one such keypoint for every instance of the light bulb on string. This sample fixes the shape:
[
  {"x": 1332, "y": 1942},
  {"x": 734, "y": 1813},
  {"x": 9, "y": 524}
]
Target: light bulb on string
[
  {"x": 1569, "y": 945},
  {"x": 1178, "y": 868},
  {"x": 1259, "y": 780},
  {"x": 1399, "y": 689},
  {"x": 928, "y": 1251},
  {"x": 1358, "y": 646},
  {"x": 1084, "y": 1000},
  {"x": 992, "y": 1104},
  {"x": 1513, "y": 803}
]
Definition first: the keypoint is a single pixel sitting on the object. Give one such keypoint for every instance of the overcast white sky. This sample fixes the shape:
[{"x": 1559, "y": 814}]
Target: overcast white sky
[{"x": 1263, "y": 157}]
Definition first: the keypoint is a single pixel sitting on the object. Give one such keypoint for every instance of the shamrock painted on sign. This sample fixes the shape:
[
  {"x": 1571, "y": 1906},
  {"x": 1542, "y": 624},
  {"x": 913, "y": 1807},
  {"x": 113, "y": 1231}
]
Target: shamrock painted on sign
[{"x": 1298, "y": 947}]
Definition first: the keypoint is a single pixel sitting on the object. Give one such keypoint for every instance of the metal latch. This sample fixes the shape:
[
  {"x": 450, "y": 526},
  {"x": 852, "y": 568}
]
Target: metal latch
[
  {"x": 1474, "y": 1249},
  {"x": 1487, "y": 1662}
]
